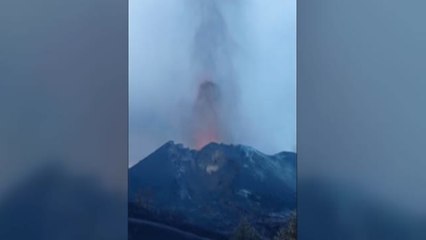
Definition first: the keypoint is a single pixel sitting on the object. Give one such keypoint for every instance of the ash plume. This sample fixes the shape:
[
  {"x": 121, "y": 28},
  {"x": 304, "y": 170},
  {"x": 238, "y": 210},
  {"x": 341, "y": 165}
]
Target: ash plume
[
  {"x": 181, "y": 53},
  {"x": 214, "y": 75}
]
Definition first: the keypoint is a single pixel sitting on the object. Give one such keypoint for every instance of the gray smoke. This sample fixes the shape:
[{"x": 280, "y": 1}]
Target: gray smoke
[
  {"x": 213, "y": 67},
  {"x": 241, "y": 52}
]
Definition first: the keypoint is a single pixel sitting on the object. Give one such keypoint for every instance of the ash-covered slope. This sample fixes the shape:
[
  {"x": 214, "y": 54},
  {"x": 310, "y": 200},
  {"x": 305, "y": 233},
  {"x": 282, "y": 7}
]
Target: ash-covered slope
[{"x": 215, "y": 187}]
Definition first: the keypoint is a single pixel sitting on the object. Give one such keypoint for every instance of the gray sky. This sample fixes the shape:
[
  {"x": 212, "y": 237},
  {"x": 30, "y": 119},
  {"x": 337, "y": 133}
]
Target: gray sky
[{"x": 262, "y": 40}]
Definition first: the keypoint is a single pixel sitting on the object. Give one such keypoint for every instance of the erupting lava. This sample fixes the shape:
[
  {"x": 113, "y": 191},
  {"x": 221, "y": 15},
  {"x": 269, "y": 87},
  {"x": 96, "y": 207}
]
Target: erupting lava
[
  {"x": 207, "y": 126},
  {"x": 212, "y": 60}
]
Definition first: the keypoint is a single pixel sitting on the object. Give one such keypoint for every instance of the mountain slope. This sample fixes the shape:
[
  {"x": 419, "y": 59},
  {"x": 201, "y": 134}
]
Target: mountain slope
[{"x": 215, "y": 187}]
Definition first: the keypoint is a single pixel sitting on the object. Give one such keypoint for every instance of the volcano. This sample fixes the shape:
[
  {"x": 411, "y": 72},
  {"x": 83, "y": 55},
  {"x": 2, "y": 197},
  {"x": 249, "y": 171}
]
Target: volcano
[{"x": 210, "y": 190}]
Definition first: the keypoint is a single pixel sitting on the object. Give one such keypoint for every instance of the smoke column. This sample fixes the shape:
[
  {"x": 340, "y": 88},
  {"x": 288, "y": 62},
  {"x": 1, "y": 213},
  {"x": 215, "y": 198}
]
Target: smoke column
[
  {"x": 213, "y": 74},
  {"x": 205, "y": 71}
]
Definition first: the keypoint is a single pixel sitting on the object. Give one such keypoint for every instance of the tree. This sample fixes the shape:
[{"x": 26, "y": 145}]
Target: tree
[
  {"x": 290, "y": 231},
  {"x": 245, "y": 231}
]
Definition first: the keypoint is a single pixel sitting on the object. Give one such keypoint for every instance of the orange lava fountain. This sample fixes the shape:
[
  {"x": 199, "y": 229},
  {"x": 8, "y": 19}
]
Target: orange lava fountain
[{"x": 206, "y": 126}]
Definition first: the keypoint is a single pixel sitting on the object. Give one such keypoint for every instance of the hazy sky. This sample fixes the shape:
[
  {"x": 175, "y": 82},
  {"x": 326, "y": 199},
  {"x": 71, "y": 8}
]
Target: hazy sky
[{"x": 262, "y": 41}]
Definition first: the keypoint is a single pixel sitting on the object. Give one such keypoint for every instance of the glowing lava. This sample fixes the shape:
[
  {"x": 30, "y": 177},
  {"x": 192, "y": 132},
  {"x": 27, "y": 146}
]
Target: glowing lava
[
  {"x": 212, "y": 61},
  {"x": 207, "y": 125}
]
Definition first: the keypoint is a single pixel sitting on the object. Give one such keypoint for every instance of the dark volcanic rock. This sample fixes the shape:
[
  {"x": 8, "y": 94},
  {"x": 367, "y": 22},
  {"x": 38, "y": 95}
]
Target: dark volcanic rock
[{"x": 214, "y": 188}]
